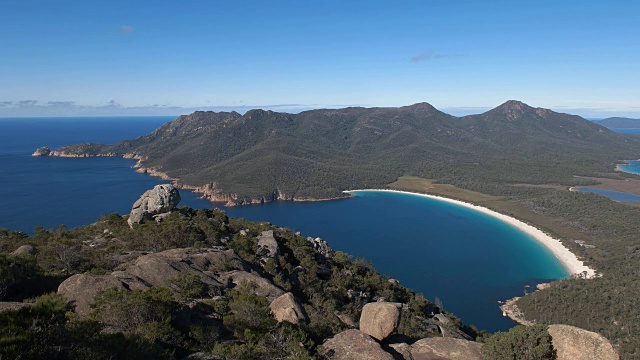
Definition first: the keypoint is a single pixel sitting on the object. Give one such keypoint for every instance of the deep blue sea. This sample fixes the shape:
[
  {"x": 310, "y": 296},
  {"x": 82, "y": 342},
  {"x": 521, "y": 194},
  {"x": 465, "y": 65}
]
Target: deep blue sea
[{"x": 467, "y": 259}]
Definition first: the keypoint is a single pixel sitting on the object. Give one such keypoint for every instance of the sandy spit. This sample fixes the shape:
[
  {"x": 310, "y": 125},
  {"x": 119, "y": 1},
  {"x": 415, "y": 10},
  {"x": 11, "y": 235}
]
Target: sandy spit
[{"x": 568, "y": 259}]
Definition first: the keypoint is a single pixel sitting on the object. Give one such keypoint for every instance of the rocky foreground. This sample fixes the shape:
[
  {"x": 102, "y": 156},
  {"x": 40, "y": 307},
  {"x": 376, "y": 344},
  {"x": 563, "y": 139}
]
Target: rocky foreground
[{"x": 170, "y": 282}]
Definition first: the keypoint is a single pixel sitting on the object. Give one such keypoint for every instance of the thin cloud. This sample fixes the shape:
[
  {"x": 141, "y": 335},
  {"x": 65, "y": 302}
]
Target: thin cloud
[
  {"x": 66, "y": 104},
  {"x": 113, "y": 108},
  {"x": 26, "y": 108},
  {"x": 126, "y": 29},
  {"x": 431, "y": 55},
  {"x": 23, "y": 103},
  {"x": 113, "y": 104}
]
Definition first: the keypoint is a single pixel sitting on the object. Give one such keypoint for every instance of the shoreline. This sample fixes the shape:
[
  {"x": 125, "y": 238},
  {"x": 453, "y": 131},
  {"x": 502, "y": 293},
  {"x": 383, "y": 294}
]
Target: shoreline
[
  {"x": 619, "y": 167},
  {"x": 568, "y": 259},
  {"x": 210, "y": 193}
]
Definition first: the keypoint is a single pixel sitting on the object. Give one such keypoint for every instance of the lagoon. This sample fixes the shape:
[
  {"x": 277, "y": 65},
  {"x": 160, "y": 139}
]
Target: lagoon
[
  {"x": 467, "y": 259},
  {"x": 611, "y": 194}
]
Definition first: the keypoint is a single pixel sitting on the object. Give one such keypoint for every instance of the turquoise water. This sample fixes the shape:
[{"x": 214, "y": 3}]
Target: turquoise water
[
  {"x": 467, "y": 259},
  {"x": 613, "y": 195},
  {"x": 632, "y": 166}
]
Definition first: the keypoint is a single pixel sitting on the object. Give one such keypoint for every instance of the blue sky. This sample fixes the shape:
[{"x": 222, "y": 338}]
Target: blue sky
[{"x": 146, "y": 57}]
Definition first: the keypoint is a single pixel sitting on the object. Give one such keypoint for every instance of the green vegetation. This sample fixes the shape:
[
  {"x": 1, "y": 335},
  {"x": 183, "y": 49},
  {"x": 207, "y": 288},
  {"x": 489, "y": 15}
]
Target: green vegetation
[
  {"x": 520, "y": 343},
  {"x": 319, "y": 153},
  {"x": 188, "y": 315}
]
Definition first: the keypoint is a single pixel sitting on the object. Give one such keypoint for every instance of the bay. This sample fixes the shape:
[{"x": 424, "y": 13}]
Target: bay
[
  {"x": 467, "y": 259},
  {"x": 631, "y": 166}
]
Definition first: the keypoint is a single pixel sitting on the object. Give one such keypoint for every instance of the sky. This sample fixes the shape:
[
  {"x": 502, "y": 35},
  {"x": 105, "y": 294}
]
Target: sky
[{"x": 70, "y": 57}]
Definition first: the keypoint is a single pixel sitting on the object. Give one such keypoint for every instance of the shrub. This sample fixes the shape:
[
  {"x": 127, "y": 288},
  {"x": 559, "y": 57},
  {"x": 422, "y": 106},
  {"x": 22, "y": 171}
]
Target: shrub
[{"x": 520, "y": 343}]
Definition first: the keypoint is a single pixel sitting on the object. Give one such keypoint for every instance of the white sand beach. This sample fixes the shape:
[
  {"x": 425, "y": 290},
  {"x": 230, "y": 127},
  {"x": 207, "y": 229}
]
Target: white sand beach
[{"x": 566, "y": 257}]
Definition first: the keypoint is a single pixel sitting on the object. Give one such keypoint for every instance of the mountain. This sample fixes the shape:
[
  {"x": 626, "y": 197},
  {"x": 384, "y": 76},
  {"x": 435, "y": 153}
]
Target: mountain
[
  {"x": 266, "y": 155},
  {"x": 620, "y": 122}
]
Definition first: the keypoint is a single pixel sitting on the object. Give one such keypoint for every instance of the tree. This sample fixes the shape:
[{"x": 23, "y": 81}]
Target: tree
[{"x": 520, "y": 343}]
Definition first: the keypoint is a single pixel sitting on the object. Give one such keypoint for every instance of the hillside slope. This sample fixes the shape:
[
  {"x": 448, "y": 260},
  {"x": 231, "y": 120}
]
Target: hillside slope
[
  {"x": 620, "y": 122},
  {"x": 265, "y": 155}
]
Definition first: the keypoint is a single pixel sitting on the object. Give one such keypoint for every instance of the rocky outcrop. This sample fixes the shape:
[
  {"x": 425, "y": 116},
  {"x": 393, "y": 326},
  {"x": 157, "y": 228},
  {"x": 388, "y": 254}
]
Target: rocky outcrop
[
  {"x": 288, "y": 308},
  {"x": 262, "y": 286},
  {"x": 42, "y": 151},
  {"x": 159, "y": 200},
  {"x": 24, "y": 250},
  {"x": 163, "y": 269},
  {"x": 446, "y": 349},
  {"x": 353, "y": 344},
  {"x": 321, "y": 247},
  {"x": 267, "y": 246},
  {"x": 572, "y": 343},
  {"x": 81, "y": 289},
  {"x": 510, "y": 309},
  {"x": 400, "y": 351},
  {"x": 380, "y": 319}
]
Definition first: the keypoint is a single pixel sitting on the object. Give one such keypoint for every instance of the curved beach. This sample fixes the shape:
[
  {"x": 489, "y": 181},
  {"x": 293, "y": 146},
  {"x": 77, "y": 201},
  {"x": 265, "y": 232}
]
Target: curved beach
[{"x": 568, "y": 259}]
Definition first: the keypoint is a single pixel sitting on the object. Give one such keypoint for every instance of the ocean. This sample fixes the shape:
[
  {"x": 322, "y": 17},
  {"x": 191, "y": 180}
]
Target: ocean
[{"x": 467, "y": 259}]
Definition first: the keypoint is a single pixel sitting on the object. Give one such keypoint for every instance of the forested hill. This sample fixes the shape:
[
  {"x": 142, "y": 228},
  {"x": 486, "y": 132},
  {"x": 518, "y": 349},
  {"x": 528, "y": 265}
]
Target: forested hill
[
  {"x": 319, "y": 153},
  {"x": 620, "y": 122}
]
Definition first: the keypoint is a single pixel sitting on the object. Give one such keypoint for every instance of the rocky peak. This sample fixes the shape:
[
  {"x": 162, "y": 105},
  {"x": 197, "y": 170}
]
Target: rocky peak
[
  {"x": 422, "y": 107},
  {"x": 513, "y": 109}
]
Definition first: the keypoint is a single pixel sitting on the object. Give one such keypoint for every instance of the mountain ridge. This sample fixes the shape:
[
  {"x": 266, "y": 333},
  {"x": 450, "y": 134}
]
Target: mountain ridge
[
  {"x": 317, "y": 154},
  {"x": 620, "y": 122}
]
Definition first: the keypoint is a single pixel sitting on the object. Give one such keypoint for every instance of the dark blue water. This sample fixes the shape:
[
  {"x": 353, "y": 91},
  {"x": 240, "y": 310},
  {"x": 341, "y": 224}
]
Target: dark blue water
[
  {"x": 36, "y": 191},
  {"x": 613, "y": 195},
  {"x": 467, "y": 259}
]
